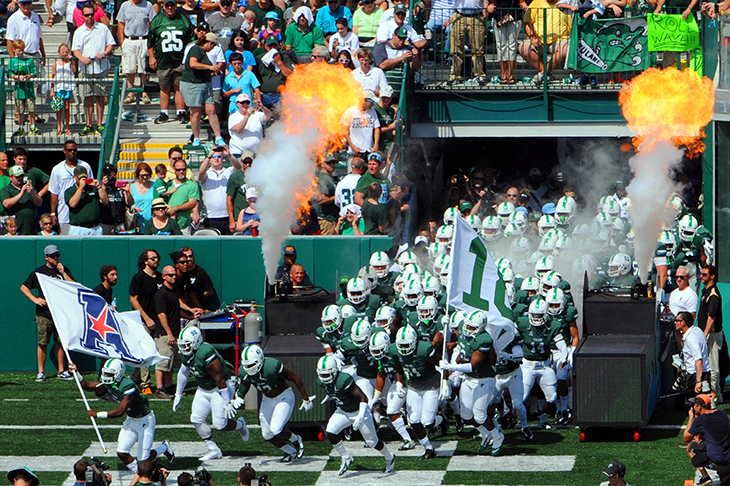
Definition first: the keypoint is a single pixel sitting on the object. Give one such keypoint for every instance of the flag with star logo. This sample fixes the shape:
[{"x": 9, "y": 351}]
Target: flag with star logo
[{"x": 87, "y": 324}]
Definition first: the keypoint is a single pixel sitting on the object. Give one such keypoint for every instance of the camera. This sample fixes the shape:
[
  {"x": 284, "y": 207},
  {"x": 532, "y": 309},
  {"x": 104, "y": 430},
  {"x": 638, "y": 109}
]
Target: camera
[
  {"x": 158, "y": 474},
  {"x": 202, "y": 477},
  {"x": 262, "y": 480},
  {"x": 95, "y": 473}
]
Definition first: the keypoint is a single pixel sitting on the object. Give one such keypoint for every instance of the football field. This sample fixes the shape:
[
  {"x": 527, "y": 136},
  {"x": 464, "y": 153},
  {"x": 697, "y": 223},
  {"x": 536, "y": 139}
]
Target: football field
[{"x": 44, "y": 426}]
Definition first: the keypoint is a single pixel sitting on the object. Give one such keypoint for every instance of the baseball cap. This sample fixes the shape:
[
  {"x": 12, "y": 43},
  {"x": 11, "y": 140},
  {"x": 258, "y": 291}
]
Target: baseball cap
[
  {"x": 272, "y": 15},
  {"x": 616, "y": 467},
  {"x": 386, "y": 91},
  {"x": 330, "y": 159},
  {"x": 226, "y": 2},
  {"x": 253, "y": 193},
  {"x": 203, "y": 26},
  {"x": 534, "y": 172},
  {"x": 401, "y": 32},
  {"x": 548, "y": 208},
  {"x": 703, "y": 400},
  {"x": 272, "y": 41},
  {"x": 50, "y": 250},
  {"x": 400, "y": 8},
  {"x": 80, "y": 171},
  {"x": 34, "y": 481},
  {"x": 420, "y": 239},
  {"x": 170, "y": 1},
  {"x": 242, "y": 97},
  {"x": 247, "y": 155},
  {"x": 16, "y": 171},
  {"x": 158, "y": 203},
  {"x": 370, "y": 96},
  {"x": 534, "y": 216},
  {"x": 521, "y": 210},
  {"x": 465, "y": 206},
  {"x": 376, "y": 156},
  {"x": 211, "y": 37},
  {"x": 290, "y": 250}
]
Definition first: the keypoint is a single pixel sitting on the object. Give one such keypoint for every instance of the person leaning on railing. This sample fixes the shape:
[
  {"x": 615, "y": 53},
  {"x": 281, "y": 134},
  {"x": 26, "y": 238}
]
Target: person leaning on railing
[{"x": 546, "y": 27}]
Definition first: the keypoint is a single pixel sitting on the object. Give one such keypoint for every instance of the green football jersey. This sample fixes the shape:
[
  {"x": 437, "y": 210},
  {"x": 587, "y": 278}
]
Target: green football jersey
[
  {"x": 537, "y": 340},
  {"x": 427, "y": 330},
  {"x": 366, "y": 365},
  {"x": 468, "y": 346},
  {"x": 265, "y": 380},
  {"x": 339, "y": 391},
  {"x": 569, "y": 315},
  {"x": 385, "y": 292},
  {"x": 366, "y": 308},
  {"x": 197, "y": 364},
  {"x": 139, "y": 406},
  {"x": 505, "y": 365},
  {"x": 168, "y": 38},
  {"x": 334, "y": 339},
  {"x": 407, "y": 313},
  {"x": 416, "y": 365}
]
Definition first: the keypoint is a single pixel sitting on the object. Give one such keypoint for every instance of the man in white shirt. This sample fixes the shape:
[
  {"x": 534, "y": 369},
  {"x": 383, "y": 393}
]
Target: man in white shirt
[
  {"x": 213, "y": 179},
  {"x": 345, "y": 191},
  {"x": 134, "y": 20},
  {"x": 388, "y": 26},
  {"x": 62, "y": 177},
  {"x": 694, "y": 376},
  {"x": 246, "y": 126},
  {"x": 26, "y": 26},
  {"x": 363, "y": 135},
  {"x": 683, "y": 298},
  {"x": 92, "y": 43}
]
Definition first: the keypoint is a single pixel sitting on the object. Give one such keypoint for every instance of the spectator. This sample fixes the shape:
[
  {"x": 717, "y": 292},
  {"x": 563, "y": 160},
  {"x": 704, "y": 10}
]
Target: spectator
[
  {"x": 536, "y": 188},
  {"x": 46, "y": 223},
  {"x": 226, "y": 20},
  {"x": 307, "y": 223},
  {"x": 708, "y": 435},
  {"x": 189, "y": 305},
  {"x": 506, "y": 23},
  {"x": 183, "y": 205},
  {"x": 240, "y": 43},
  {"x": 4, "y": 178},
  {"x": 191, "y": 9},
  {"x": 327, "y": 17},
  {"x": 142, "y": 290},
  {"x": 196, "y": 87},
  {"x": 83, "y": 201},
  {"x": 398, "y": 207},
  {"x": 386, "y": 117},
  {"x": 388, "y": 27},
  {"x": 289, "y": 258},
  {"x": 109, "y": 276},
  {"x": 344, "y": 59},
  {"x": 261, "y": 8},
  {"x": 173, "y": 155},
  {"x": 54, "y": 269},
  {"x": 615, "y": 473},
  {"x": 299, "y": 278},
  {"x": 365, "y": 21},
  {"x": 272, "y": 20},
  {"x": 372, "y": 78},
  {"x": 683, "y": 298},
  {"x": 468, "y": 22},
  {"x": 25, "y": 25},
  {"x": 63, "y": 86},
  {"x": 350, "y": 221},
  {"x": 159, "y": 187},
  {"x": 327, "y": 210},
  {"x": 20, "y": 200},
  {"x": 236, "y": 191},
  {"x": 393, "y": 53},
  {"x": 374, "y": 214},
  {"x": 92, "y": 43},
  {"x": 709, "y": 321},
  {"x": 545, "y": 24},
  {"x": 345, "y": 190},
  {"x": 167, "y": 328},
  {"x": 99, "y": 14},
  {"x": 139, "y": 194},
  {"x": 22, "y": 69},
  {"x": 246, "y": 126},
  {"x": 245, "y": 475},
  {"x": 248, "y": 28},
  {"x": 213, "y": 179},
  {"x": 439, "y": 21},
  {"x": 694, "y": 376},
  {"x": 167, "y": 57},
  {"x": 363, "y": 135},
  {"x": 200, "y": 282},
  {"x": 343, "y": 39},
  {"x": 303, "y": 35},
  {"x": 134, "y": 18},
  {"x": 61, "y": 179},
  {"x": 372, "y": 175},
  {"x": 113, "y": 215},
  {"x": 11, "y": 226},
  {"x": 319, "y": 54},
  {"x": 161, "y": 223},
  {"x": 248, "y": 219},
  {"x": 23, "y": 477},
  {"x": 273, "y": 69},
  {"x": 240, "y": 81}
]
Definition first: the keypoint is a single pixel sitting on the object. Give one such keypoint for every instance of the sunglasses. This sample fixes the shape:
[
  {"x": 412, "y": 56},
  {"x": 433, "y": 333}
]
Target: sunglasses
[
  {"x": 176, "y": 158},
  {"x": 181, "y": 170},
  {"x": 144, "y": 174},
  {"x": 54, "y": 255},
  {"x": 344, "y": 61},
  {"x": 680, "y": 277},
  {"x": 314, "y": 56},
  {"x": 71, "y": 150},
  {"x": 89, "y": 15},
  {"x": 154, "y": 258},
  {"x": 169, "y": 275}
]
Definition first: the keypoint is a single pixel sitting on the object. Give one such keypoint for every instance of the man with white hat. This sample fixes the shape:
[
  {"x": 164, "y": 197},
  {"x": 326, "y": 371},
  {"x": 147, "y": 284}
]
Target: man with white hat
[
  {"x": 363, "y": 135},
  {"x": 246, "y": 126}
]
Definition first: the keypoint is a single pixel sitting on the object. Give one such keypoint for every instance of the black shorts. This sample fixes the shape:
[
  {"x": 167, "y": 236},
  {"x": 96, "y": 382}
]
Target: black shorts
[{"x": 700, "y": 459}]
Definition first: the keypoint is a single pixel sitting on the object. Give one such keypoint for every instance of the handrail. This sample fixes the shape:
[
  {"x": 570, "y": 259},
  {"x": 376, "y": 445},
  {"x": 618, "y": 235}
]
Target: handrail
[
  {"x": 108, "y": 154},
  {"x": 3, "y": 143}
]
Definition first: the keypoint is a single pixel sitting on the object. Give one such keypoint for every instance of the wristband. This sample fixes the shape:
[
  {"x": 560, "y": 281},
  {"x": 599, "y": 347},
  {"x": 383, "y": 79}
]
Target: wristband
[{"x": 102, "y": 415}]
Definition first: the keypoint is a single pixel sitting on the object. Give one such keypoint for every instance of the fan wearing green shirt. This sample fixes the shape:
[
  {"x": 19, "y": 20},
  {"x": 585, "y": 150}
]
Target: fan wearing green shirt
[
  {"x": 183, "y": 204},
  {"x": 303, "y": 35}
]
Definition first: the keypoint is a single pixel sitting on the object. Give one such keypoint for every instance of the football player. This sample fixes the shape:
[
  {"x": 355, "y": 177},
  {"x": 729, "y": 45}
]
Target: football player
[
  {"x": 428, "y": 326},
  {"x": 566, "y": 315},
  {"x": 351, "y": 411},
  {"x": 405, "y": 308},
  {"x": 330, "y": 333},
  {"x": 139, "y": 426},
  {"x": 359, "y": 297},
  {"x": 214, "y": 393},
  {"x": 269, "y": 376},
  {"x": 354, "y": 349},
  {"x": 381, "y": 264}
]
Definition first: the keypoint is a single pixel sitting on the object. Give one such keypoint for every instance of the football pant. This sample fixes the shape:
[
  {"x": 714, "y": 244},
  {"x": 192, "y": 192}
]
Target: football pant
[
  {"x": 274, "y": 413},
  {"x": 208, "y": 402},
  {"x": 135, "y": 430},
  {"x": 340, "y": 420},
  {"x": 539, "y": 372},
  {"x": 513, "y": 382},
  {"x": 475, "y": 396},
  {"x": 423, "y": 405}
]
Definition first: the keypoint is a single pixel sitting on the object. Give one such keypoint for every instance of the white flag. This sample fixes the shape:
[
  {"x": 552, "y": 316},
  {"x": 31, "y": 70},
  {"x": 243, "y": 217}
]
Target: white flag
[
  {"x": 474, "y": 282},
  {"x": 86, "y": 324}
]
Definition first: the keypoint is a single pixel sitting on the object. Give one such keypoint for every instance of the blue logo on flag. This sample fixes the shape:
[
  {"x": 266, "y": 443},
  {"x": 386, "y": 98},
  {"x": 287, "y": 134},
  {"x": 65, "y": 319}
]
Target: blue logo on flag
[{"x": 101, "y": 328}]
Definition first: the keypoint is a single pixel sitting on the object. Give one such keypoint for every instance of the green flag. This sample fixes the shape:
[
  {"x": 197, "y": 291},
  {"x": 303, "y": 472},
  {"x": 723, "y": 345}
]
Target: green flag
[
  {"x": 672, "y": 33},
  {"x": 606, "y": 46}
]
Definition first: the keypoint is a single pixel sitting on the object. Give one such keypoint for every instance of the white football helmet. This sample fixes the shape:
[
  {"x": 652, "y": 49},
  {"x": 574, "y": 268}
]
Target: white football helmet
[
  {"x": 669, "y": 241},
  {"x": 564, "y": 210},
  {"x": 474, "y": 324},
  {"x": 368, "y": 275},
  {"x": 600, "y": 239},
  {"x": 503, "y": 263},
  {"x": 112, "y": 371},
  {"x": 619, "y": 265},
  {"x": 360, "y": 333},
  {"x": 512, "y": 231},
  {"x": 504, "y": 211},
  {"x": 519, "y": 218},
  {"x": 474, "y": 221},
  {"x": 581, "y": 231},
  {"x": 531, "y": 285},
  {"x": 405, "y": 258},
  {"x": 427, "y": 308},
  {"x": 379, "y": 345},
  {"x": 332, "y": 317},
  {"x": 450, "y": 216},
  {"x": 385, "y": 316},
  {"x": 537, "y": 312},
  {"x": 564, "y": 243},
  {"x": 509, "y": 289},
  {"x": 611, "y": 207},
  {"x": 412, "y": 292},
  {"x": 380, "y": 263},
  {"x": 676, "y": 204},
  {"x": 439, "y": 263},
  {"x": 546, "y": 223},
  {"x": 555, "y": 300},
  {"x": 582, "y": 265},
  {"x": 548, "y": 243},
  {"x": 619, "y": 225},
  {"x": 437, "y": 249},
  {"x": 399, "y": 283},
  {"x": 631, "y": 238},
  {"x": 491, "y": 228},
  {"x": 406, "y": 340},
  {"x": 444, "y": 235},
  {"x": 252, "y": 359},
  {"x": 687, "y": 228},
  {"x": 602, "y": 202},
  {"x": 549, "y": 281},
  {"x": 456, "y": 319},
  {"x": 190, "y": 340},
  {"x": 605, "y": 220},
  {"x": 543, "y": 266},
  {"x": 357, "y": 291},
  {"x": 347, "y": 311},
  {"x": 444, "y": 274},
  {"x": 431, "y": 287},
  {"x": 508, "y": 275},
  {"x": 520, "y": 248},
  {"x": 327, "y": 369}
]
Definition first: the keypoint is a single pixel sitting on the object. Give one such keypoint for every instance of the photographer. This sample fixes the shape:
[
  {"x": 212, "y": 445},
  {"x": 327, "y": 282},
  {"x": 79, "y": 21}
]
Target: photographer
[
  {"x": 23, "y": 477},
  {"x": 83, "y": 200},
  {"x": 709, "y": 432},
  {"x": 149, "y": 473},
  {"x": 20, "y": 200},
  {"x": 694, "y": 375},
  {"x": 82, "y": 467},
  {"x": 201, "y": 478}
]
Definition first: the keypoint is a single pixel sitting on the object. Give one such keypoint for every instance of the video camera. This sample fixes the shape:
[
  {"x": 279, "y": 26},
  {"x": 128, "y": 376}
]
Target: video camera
[
  {"x": 157, "y": 473},
  {"x": 96, "y": 473},
  {"x": 201, "y": 477}
]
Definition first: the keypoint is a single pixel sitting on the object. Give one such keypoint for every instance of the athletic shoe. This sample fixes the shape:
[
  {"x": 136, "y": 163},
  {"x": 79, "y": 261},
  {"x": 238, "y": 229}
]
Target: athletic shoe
[
  {"x": 288, "y": 458},
  {"x": 220, "y": 142},
  {"x": 146, "y": 99},
  {"x": 100, "y": 129},
  {"x": 345, "y": 465},
  {"x": 163, "y": 395},
  {"x": 444, "y": 426},
  {"x": 183, "y": 118},
  {"x": 429, "y": 454},
  {"x": 299, "y": 446},
  {"x": 130, "y": 98},
  {"x": 40, "y": 377},
  {"x": 538, "y": 79},
  {"x": 347, "y": 433},
  {"x": 407, "y": 446},
  {"x": 245, "y": 435},
  {"x": 459, "y": 423},
  {"x": 65, "y": 375},
  {"x": 169, "y": 453},
  {"x": 559, "y": 417},
  {"x": 527, "y": 433},
  {"x": 216, "y": 454},
  {"x": 389, "y": 465},
  {"x": 497, "y": 444},
  {"x": 19, "y": 132},
  {"x": 146, "y": 390},
  {"x": 87, "y": 130},
  {"x": 162, "y": 118},
  {"x": 704, "y": 481},
  {"x": 544, "y": 422},
  {"x": 34, "y": 131},
  {"x": 484, "y": 445},
  {"x": 196, "y": 142}
]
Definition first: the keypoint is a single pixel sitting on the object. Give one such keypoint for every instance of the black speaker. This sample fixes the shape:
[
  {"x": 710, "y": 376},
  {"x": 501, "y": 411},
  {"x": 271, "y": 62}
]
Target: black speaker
[
  {"x": 605, "y": 313},
  {"x": 299, "y": 313},
  {"x": 616, "y": 380}
]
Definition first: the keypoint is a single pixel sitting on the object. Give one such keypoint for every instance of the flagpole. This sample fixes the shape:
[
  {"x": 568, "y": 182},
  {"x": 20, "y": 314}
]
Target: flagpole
[{"x": 77, "y": 379}]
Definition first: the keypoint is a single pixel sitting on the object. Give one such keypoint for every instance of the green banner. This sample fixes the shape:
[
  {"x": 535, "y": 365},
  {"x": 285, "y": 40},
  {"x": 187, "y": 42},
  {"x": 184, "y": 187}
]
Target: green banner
[
  {"x": 606, "y": 46},
  {"x": 672, "y": 33}
]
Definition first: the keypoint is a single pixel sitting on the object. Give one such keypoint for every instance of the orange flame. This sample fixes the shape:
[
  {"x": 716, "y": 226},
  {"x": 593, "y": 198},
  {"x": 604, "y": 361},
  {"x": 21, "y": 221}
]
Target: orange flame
[
  {"x": 315, "y": 96},
  {"x": 668, "y": 105}
]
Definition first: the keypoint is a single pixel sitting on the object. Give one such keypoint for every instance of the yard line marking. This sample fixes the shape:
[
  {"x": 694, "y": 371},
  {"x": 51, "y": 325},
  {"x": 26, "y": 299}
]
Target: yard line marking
[
  {"x": 379, "y": 478},
  {"x": 83, "y": 427},
  {"x": 16, "y": 400},
  {"x": 521, "y": 463},
  {"x": 443, "y": 449}
]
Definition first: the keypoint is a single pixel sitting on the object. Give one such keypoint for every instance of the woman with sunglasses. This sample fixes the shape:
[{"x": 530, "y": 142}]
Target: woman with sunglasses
[
  {"x": 161, "y": 223},
  {"x": 141, "y": 194},
  {"x": 344, "y": 59}
]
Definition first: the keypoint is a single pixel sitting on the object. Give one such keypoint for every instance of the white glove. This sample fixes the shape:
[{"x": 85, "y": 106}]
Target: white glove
[
  {"x": 176, "y": 402},
  {"x": 325, "y": 399},
  {"x": 229, "y": 410},
  {"x": 358, "y": 422},
  {"x": 237, "y": 402},
  {"x": 444, "y": 366},
  {"x": 307, "y": 405},
  {"x": 400, "y": 390},
  {"x": 444, "y": 390}
]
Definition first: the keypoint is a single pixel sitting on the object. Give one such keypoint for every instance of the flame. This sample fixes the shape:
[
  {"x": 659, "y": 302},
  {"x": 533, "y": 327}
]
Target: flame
[{"x": 668, "y": 105}]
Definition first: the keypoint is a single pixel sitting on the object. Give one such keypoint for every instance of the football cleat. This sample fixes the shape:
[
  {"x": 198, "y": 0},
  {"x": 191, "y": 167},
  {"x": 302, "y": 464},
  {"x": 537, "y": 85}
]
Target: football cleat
[
  {"x": 346, "y": 463},
  {"x": 527, "y": 433},
  {"x": 459, "y": 423},
  {"x": 407, "y": 446},
  {"x": 169, "y": 453},
  {"x": 497, "y": 445},
  {"x": 429, "y": 454},
  {"x": 298, "y": 444},
  {"x": 245, "y": 435},
  {"x": 288, "y": 458},
  {"x": 389, "y": 465},
  {"x": 485, "y": 444},
  {"x": 216, "y": 454}
]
